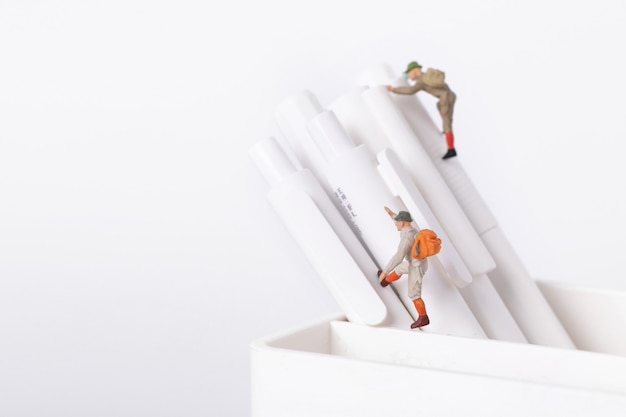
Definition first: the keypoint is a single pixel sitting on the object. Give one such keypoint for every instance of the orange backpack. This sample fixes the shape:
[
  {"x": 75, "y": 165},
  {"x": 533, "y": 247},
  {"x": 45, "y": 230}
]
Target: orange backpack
[{"x": 426, "y": 244}]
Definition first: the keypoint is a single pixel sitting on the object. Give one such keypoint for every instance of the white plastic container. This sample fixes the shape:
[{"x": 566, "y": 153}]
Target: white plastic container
[{"x": 337, "y": 368}]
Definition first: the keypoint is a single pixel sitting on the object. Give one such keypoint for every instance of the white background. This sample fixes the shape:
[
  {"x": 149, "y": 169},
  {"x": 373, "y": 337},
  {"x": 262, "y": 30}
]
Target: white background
[{"x": 138, "y": 255}]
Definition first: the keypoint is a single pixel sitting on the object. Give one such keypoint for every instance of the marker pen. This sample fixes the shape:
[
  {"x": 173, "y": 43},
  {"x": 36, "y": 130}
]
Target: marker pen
[
  {"x": 353, "y": 175},
  {"x": 481, "y": 296},
  {"x": 374, "y": 107},
  {"x": 511, "y": 279},
  {"x": 326, "y": 239}
]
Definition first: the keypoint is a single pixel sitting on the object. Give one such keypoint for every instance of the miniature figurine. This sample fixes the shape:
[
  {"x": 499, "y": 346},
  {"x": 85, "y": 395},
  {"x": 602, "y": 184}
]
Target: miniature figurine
[
  {"x": 433, "y": 82},
  {"x": 403, "y": 262}
]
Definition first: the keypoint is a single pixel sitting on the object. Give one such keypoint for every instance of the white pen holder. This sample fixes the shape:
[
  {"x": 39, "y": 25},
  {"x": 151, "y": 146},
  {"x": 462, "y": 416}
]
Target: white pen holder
[{"x": 337, "y": 368}]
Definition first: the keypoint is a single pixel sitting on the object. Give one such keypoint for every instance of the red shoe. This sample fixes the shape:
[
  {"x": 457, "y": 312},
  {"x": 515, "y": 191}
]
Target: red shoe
[{"x": 421, "y": 321}]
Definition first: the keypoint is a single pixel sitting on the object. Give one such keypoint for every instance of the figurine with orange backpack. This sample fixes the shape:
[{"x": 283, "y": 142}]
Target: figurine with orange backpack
[
  {"x": 411, "y": 258},
  {"x": 433, "y": 82}
]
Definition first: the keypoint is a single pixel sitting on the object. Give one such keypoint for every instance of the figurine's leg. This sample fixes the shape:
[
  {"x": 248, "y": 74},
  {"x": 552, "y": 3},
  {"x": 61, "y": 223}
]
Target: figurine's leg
[
  {"x": 446, "y": 109},
  {"x": 422, "y": 319},
  {"x": 450, "y": 142},
  {"x": 394, "y": 275},
  {"x": 420, "y": 306},
  {"x": 391, "y": 277},
  {"x": 415, "y": 294},
  {"x": 450, "y": 139}
]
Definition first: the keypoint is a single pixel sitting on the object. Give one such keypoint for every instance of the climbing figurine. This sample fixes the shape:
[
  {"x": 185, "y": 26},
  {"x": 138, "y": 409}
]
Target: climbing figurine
[
  {"x": 433, "y": 82},
  {"x": 411, "y": 258}
]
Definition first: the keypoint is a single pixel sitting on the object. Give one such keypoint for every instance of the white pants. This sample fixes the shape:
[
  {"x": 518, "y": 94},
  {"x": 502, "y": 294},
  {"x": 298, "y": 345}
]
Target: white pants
[{"x": 415, "y": 269}]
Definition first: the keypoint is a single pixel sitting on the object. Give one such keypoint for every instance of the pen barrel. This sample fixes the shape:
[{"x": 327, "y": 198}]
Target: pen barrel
[
  {"x": 271, "y": 160},
  {"x": 490, "y": 310},
  {"x": 329, "y": 256},
  {"x": 361, "y": 192},
  {"x": 305, "y": 181},
  {"x": 523, "y": 296}
]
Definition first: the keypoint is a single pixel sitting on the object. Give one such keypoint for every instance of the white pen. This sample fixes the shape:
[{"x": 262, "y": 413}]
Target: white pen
[
  {"x": 510, "y": 278},
  {"x": 292, "y": 115},
  {"x": 326, "y": 239},
  {"x": 353, "y": 175}
]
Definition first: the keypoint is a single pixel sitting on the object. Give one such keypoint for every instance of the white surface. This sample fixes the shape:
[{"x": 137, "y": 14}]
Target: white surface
[
  {"x": 138, "y": 254},
  {"x": 594, "y": 329},
  {"x": 337, "y": 368}
]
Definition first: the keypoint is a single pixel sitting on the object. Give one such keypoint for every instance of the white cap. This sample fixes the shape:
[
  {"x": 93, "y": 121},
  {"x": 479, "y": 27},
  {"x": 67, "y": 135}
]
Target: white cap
[{"x": 271, "y": 160}]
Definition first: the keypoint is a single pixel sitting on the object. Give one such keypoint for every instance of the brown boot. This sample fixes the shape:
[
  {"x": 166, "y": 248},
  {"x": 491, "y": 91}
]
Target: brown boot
[{"x": 420, "y": 322}]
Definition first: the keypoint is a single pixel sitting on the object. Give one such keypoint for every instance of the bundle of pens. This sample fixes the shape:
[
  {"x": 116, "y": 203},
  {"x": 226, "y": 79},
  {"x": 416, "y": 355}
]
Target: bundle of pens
[
  {"x": 372, "y": 149},
  {"x": 335, "y": 181}
]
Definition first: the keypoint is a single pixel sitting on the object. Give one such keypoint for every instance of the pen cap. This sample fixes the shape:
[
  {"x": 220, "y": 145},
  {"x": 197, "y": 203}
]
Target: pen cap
[
  {"x": 330, "y": 135},
  {"x": 358, "y": 121},
  {"x": 292, "y": 115},
  {"x": 271, "y": 160}
]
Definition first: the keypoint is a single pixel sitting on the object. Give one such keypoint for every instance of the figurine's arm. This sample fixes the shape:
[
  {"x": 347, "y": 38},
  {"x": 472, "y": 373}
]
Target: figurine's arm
[
  {"x": 418, "y": 86},
  {"x": 394, "y": 260},
  {"x": 403, "y": 247}
]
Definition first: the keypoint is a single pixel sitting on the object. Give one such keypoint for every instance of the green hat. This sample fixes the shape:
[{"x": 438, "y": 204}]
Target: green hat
[
  {"x": 403, "y": 216},
  {"x": 412, "y": 65}
]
